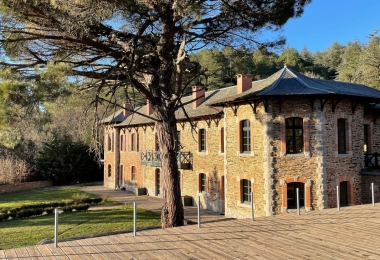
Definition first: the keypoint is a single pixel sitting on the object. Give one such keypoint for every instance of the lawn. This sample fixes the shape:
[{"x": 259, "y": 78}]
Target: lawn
[
  {"x": 15, "y": 199},
  {"x": 28, "y": 232}
]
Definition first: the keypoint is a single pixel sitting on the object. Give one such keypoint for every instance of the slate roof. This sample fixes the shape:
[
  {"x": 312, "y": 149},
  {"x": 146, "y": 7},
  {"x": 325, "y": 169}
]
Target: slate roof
[
  {"x": 203, "y": 109},
  {"x": 116, "y": 117},
  {"x": 287, "y": 82}
]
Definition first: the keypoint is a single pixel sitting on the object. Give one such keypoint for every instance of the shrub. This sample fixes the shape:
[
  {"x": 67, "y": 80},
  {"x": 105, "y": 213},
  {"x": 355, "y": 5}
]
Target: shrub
[
  {"x": 95, "y": 201},
  {"x": 81, "y": 207},
  {"x": 12, "y": 213},
  {"x": 38, "y": 211},
  {"x": 75, "y": 163},
  {"x": 67, "y": 208},
  {"x": 80, "y": 198},
  {"x": 25, "y": 213},
  {"x": 49, "y": 210}
]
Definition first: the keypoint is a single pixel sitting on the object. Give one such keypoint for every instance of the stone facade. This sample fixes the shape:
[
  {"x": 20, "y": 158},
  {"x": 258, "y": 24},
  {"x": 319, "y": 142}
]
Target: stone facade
[{"x": 272, "y": 172}]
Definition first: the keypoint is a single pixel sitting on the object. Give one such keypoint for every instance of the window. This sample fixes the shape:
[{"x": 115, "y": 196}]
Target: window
[
  {"x": 366, "y": 147},
  {"x": 133, "y": 173},
  {"x": 292, "y": 194},
  {"x": 294, "y": 135},
  {"x": 121, "y": 176},
  {"x": 112, "y": 142},
  {"x": 202, "y": 140},
  {"x": 158, "y": 182},
  {"x": 245, "y": 191},
  {"x": 245, "y": 135},
  {"x": 222, "y": 140},
  {"x": 202, "y": 182},
  {"x": 109, "y": 142},
  {"x": 109, "y": 170},
  {"x": 342, "y": 136},
  {"x": 133, "y": 142},
  {"x": 179, "y": 146},
  {"x": 156, "y": 145},
  {"x": 122, "y": 144},
  {"x": 137, "y": 142}
]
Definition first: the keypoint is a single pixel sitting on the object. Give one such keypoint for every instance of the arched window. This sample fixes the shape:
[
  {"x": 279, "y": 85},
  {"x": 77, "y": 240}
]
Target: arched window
[
  {"x": 109, "y": 170},
  {"x": 294, "y": 135},
  {"x": 121, "y": 175},
  {"x": 292, "y": 194},
  {"x": 342, "y": 136},
  {"x": 245, "y": 136},
  {"x": 133, "y": 173}
]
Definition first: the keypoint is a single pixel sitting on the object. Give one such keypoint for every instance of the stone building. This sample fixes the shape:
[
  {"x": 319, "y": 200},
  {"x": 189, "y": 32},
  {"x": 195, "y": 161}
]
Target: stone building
[{"x": 267, "y": 138}]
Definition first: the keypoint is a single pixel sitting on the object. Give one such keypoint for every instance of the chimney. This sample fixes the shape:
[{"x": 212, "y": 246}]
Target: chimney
[
  {"x": 128, "y": 108},
  {"x": 198, "y": 95},
  {"x": 244, "y": 82},
  {"x": 149, "y": 109}
]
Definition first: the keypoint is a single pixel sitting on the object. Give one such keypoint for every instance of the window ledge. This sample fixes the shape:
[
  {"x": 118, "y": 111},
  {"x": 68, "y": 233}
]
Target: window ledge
[
  {"x": 202, "y": 152},
  {"x": 244, "y": 204},
  {"x": 303, "y": 154},
  {"x": 238, "y": 153},
  {"x": 348, "y": 154}
]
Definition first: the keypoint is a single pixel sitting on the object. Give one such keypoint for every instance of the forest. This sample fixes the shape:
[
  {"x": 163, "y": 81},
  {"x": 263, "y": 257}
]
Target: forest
[{"x": 50, "y": 136}]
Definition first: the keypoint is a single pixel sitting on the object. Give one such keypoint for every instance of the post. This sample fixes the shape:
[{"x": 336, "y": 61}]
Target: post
[
  {"x": 252, "y": 208},
  {"x": 199, "y": 211},
  {"x": 134, "y": 219},
  {"x": 56, "y": 228},
  {"x": 337, "y": 198},
  {"x": 373, "y": 193},
  {"x": 298, "y": 201}
]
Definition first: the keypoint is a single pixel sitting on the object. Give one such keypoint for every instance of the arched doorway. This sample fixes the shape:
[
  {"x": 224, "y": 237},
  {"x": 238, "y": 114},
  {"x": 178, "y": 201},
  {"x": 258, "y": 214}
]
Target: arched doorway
[
  {"x": 121, "y": 176},
  {"x": 157, "y": 181},
  {"x": 343, "y": 193},
  {"x": 292, "y": 195}
]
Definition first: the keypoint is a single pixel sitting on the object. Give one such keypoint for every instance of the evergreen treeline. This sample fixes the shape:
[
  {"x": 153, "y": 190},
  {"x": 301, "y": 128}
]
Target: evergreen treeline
[{"x": 354, "y": 62}]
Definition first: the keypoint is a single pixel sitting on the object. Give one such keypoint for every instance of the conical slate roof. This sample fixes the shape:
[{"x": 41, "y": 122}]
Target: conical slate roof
[{"x": 287, "y": 82}]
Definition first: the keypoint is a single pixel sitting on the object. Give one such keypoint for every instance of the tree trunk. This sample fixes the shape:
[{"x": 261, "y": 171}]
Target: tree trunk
[{"x": 172, "y": 214}]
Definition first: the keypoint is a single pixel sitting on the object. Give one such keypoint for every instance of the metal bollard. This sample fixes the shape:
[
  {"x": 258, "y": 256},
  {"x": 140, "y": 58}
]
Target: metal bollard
[
  {"x": 298, "y": 201},
  {"x": 337, "y": 198},
  {"x": 373, "y": 193},
  {"x": 252, "y": 207},
  {"x": 56, "y": 227},
  {"x": 134, "y": 219},
  {"x": 199, "y": 211}
]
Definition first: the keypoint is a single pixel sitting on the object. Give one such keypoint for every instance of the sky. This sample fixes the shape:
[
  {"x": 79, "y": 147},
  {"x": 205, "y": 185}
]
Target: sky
[{"x": 326, "y": 21}]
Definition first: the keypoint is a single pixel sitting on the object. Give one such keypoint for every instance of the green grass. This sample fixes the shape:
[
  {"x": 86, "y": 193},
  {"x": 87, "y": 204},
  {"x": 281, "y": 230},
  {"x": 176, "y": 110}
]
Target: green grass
[
  {"x": 55, "y": 194},
  {"x": 28, "y": 232},
  {"x": 15, "y": 199}
]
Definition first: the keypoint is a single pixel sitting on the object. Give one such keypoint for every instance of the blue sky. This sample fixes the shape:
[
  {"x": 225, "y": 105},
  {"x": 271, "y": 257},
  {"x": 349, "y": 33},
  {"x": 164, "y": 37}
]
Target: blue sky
[{"x": 326, "y": 21}]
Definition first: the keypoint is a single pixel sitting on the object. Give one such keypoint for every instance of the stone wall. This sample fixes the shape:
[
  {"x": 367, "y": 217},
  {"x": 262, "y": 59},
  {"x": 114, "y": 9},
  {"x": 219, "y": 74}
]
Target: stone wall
[
  {"x": 344, "y": 167},
  {"x": 366, "y": 190},
  {"x": 250, "y": 166},
  {"x": 299, "y": 167},
  {"x": 25, "y": 186},
  {"x": 269, "y": 168}
]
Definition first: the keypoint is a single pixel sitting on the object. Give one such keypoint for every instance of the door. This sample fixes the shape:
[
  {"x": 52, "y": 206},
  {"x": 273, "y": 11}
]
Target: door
[
  {"x": 292, "y": 196},
  {"x": 343, "y": 193}
]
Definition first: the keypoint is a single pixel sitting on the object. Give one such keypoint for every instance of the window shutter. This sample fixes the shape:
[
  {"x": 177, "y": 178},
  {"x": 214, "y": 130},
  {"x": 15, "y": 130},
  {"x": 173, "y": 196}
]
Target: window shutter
[{"x": 241, "y": 191}]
